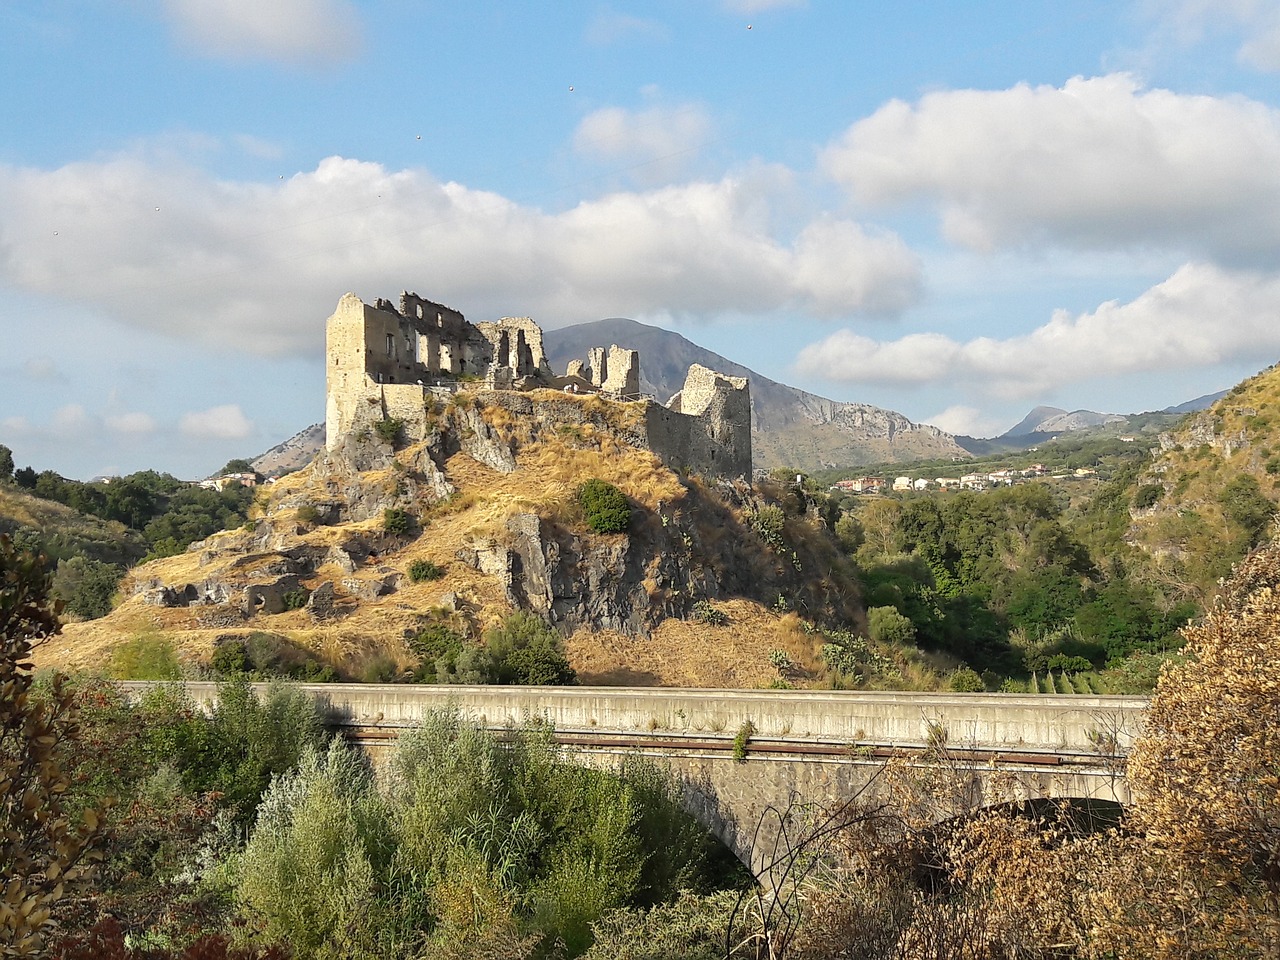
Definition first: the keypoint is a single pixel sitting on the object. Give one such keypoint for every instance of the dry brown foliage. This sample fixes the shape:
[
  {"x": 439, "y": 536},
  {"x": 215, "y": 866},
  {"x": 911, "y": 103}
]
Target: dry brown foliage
[
  {"x": 43, "y": 855},
  {"x": 1194, "y": 871}
]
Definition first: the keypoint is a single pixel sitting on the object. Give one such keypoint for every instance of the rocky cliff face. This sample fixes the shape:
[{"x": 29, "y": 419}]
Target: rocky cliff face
[{"x": 489, "y": 492}]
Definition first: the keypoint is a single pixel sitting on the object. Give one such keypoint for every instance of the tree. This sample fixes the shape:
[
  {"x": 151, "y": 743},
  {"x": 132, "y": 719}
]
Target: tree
[
  {"x": 6, "y": 462},
  {"x": 44, "y": 855},
  {"x": 237, "y": 466},
  {"x": 1206, "y": 771},
  {"x": 1245, "y": 504},
  {"x": 87, "y": 586}
]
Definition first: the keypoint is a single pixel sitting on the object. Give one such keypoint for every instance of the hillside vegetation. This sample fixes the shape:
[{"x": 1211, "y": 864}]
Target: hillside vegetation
[
  {"x": 1209, "y": 494},
  {"x": 384, "y": 561}
]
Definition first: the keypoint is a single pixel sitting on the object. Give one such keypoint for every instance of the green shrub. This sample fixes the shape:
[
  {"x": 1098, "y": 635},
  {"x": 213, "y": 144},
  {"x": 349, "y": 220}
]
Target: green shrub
[
  {"x": 780, "y": 660},
  {"x": 438, "y": 648},
  {"x": 87, "y": 587},
  {"x": 265, "y": 656},
  {"x": 768, "y": 523},
  {"x": 146, "y": 656},
  {"x": 388, "y": 430},
  {"x": 1147, "y": 496},
  {"x": 230, "y": 658},
  {"x": 295, "y": 599},
  {"x": 606, "y": 507},
  {"x": 380, "y": 668},
  {"x": 1067, "y": 664},
  {"x": 850, "y": 533},
  {"x": 740, "y": 740},
  {"x": 396, "y": 521},
  {"x": 481, "y": 841},
  {"x": 524, "y": 650},
  {"x": 965, "y": 680},
  {"x": 887, "y": 625},
  {"x": 421, "y": 570},
  {"x": 307, "y": 514},
  {"x": 704, "y": 612}
]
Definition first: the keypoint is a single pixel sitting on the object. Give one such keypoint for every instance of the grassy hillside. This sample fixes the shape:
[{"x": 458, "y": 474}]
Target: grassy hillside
[
  {"x": 61, "y": 532},
  {"x": 1209, "y": 494}
]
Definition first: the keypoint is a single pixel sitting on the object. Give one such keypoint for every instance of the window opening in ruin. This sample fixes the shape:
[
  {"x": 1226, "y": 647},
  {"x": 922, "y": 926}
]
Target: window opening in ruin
[{"x": 391, "y": 345}]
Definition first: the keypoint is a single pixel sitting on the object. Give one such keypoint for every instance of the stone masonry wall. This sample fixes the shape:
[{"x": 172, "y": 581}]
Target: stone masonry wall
[
  {"x": 709, "y": 432},
  {"x": 385, "y": 362}
]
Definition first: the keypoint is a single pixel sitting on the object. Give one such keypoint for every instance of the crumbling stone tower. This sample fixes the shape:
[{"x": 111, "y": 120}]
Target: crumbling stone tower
[{"x": 375, "y": 352}]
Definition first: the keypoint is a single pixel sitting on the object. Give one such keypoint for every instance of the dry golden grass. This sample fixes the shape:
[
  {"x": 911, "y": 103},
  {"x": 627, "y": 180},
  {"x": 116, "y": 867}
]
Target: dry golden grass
[
  {"x": 683, "y": 653},
  {"x": 549, "y": 471}
]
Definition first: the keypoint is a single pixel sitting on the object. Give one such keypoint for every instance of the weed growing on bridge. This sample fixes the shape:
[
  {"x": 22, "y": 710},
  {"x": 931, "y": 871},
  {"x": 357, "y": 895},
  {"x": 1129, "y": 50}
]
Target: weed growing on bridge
[{"x": 741, "y": 739}]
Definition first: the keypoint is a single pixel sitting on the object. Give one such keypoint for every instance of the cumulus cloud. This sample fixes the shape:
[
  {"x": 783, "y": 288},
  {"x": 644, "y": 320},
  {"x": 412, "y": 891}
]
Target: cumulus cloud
[
  {"x": 226, "y": 422},
  {"x": 663, "y": 138},
  {"x": 961, "y": 420},
  {"x": 297, "y": 31},
  {"x": 70, "y": 422},
  {"x": 1097, "y": 163},
  {"x": 1200, "y": 316},
  {"x": 41, "y": 368},
  {"x": 258, "y": 267}
]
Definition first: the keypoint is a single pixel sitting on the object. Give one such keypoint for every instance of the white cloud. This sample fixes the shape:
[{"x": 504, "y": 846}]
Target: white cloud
[
  {"x": 257, "y": 267},
  {"x": 665, "y": 139},
  {"x": 609, "y": 27},
  {"x": 1201, "y": 316},
  {"x": 41, "y": 368},
  {"x": 1257, "y": 22},
  {"x": 226, "y": 422},
  {"x": 15, "y": 426},
  {"x": 966, "y": 421},
  {"x": 130, "y": 423},
  {"x": 1097, "y": 163},
  {"x": 310, "y": 31},
  {"x": 760, "y": 6}
]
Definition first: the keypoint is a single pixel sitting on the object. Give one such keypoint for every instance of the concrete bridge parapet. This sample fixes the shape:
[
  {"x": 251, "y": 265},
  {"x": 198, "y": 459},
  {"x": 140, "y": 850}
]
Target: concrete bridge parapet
[{"x": 822, "y": 746}]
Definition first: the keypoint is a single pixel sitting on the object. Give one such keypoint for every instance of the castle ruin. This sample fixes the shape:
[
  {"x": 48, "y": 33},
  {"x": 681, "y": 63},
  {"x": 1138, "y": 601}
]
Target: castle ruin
[{"x": 388, "y": 362}]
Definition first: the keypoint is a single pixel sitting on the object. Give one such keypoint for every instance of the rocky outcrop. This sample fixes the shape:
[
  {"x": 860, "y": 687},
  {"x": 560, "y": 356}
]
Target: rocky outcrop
[{"x": 574, "y": 581}]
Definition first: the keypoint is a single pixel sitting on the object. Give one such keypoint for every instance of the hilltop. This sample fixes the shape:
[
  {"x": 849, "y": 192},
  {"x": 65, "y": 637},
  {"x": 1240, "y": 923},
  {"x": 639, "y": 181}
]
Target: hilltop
[
  {"x": 490, "y": 502},
  {"x": 790, "y": 427}
]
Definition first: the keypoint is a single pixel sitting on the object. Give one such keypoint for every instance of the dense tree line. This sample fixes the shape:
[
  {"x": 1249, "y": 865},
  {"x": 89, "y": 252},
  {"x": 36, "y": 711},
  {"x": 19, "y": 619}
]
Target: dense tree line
[
  {"x": 167, "y": 513},
  {"x": 1005, "y": 581}
]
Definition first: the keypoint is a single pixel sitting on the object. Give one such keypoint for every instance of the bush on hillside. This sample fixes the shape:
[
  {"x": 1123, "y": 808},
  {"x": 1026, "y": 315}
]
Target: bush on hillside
[
  {"x": 606, "y": 507},
  {"x": 397, "y": 521},
  {"x": 87, "y": 586},
  {"x": 421, "y": 570}
]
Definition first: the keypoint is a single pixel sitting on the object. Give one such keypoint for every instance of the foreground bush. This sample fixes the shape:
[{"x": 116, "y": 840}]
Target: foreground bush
[
  {"x": 44, "y": 853},
  {"x": 499, "y": 846}
]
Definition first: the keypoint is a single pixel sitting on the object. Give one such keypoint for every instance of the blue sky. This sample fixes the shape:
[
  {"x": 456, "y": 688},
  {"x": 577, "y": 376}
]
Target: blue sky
[{"x": 957, "y": 211}]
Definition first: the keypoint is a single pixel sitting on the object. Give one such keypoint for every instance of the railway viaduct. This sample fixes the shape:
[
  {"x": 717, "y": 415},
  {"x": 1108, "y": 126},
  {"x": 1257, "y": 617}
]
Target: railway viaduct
[{"x": 745, "y": 755}]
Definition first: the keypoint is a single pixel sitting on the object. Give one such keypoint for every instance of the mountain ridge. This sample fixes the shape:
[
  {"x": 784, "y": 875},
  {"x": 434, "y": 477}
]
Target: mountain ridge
[{"x": 790, "y": 427}]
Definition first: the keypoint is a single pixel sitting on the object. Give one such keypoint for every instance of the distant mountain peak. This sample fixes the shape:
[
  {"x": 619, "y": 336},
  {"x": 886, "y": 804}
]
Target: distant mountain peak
[{"x": 790, "y": 427}]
